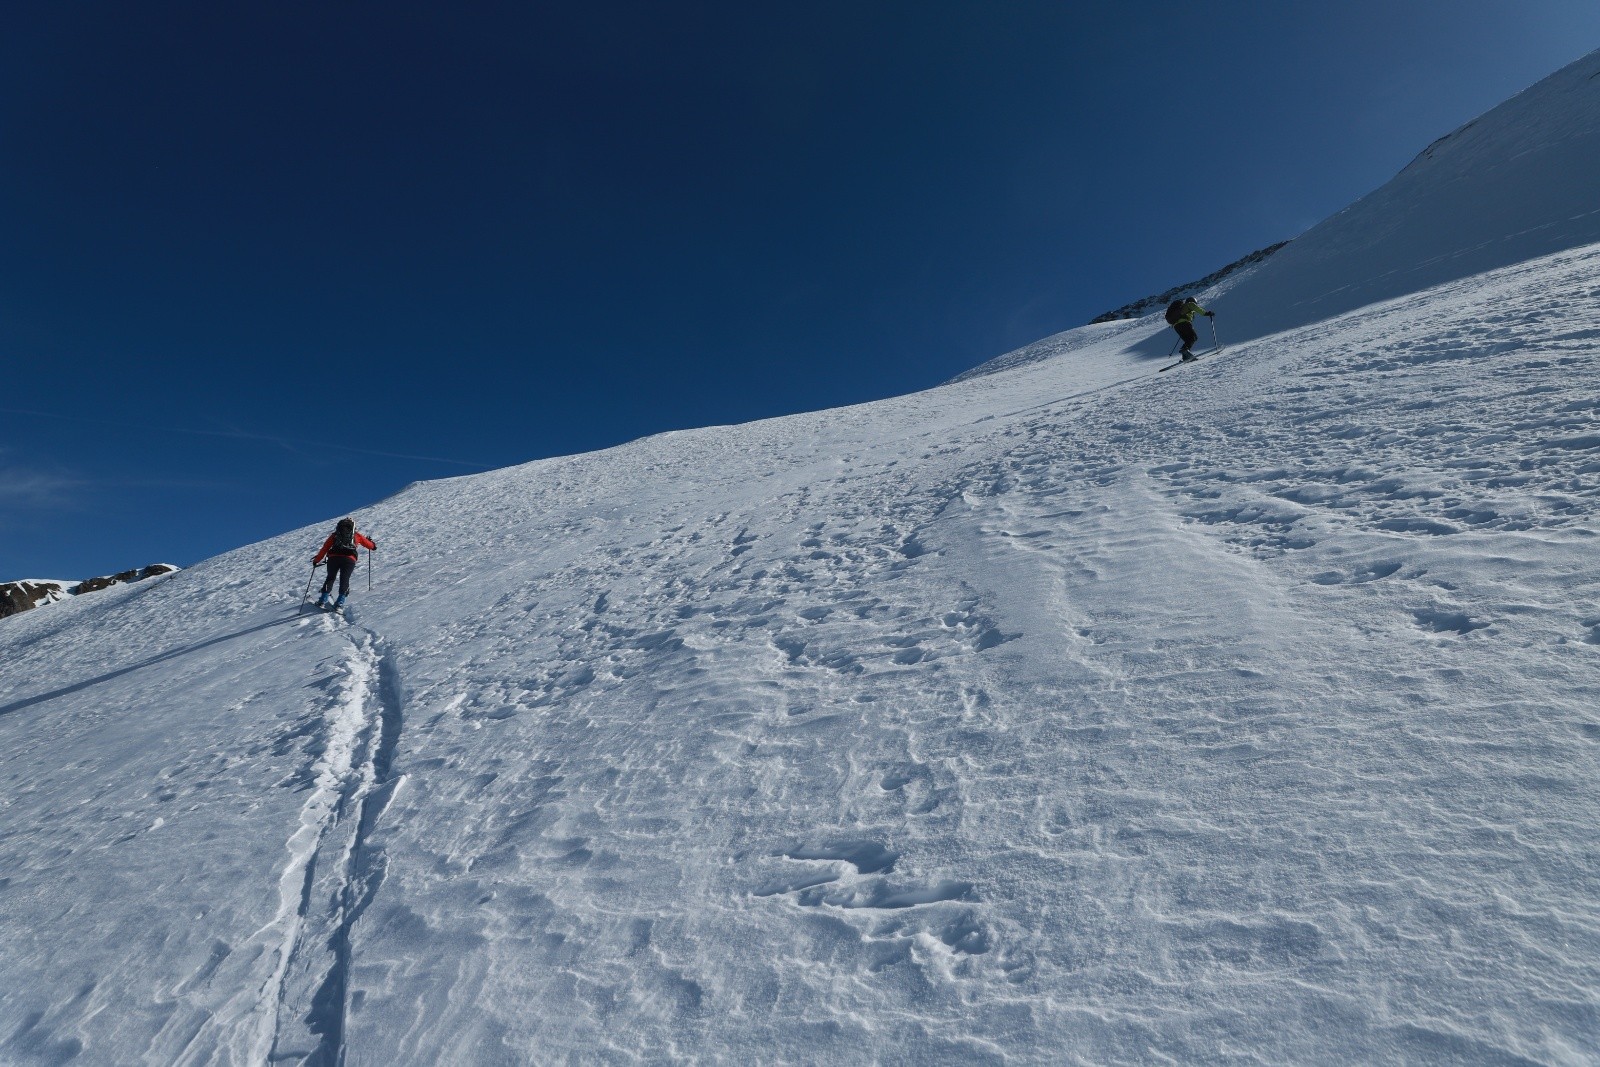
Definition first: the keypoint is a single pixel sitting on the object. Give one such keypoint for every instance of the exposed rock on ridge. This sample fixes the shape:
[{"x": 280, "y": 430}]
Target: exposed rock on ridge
[{"x": 17, "y": 597}]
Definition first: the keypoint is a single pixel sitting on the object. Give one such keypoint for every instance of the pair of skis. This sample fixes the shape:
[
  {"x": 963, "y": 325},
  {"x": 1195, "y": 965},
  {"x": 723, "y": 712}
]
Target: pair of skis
[
  {"x": 323, "y": 605},
  {"x": 1192, "y": 359},
  {"x": 330, "y": 606}
]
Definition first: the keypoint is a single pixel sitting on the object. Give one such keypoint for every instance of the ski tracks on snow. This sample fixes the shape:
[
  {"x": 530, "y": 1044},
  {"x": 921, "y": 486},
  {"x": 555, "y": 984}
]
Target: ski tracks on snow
[{"x": 333, "y": 870}]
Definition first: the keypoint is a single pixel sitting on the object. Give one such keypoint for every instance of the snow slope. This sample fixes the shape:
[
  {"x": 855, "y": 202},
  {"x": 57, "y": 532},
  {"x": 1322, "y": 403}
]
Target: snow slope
[
  {"x": 1516, "y": 183},
  {"x": 1071, "y": 713},
  {"x": 1513, "y": 184}
]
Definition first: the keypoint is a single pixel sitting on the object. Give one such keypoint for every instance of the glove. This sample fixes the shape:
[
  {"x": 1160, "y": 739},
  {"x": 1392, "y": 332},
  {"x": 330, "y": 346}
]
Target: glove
[
  {"x": 374, "y": 544},
  {"x": 314, "y": 563},
  {"x": 1211, "y": 314}
]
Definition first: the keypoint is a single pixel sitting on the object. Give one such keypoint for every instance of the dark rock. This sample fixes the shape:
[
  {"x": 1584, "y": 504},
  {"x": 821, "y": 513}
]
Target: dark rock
[
  {"x": 136, "y": 575},
  {"x": 16, "y": 597}
]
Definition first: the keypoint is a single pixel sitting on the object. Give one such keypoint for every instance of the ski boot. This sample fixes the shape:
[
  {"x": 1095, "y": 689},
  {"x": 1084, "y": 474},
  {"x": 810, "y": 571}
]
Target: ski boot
[
  {"x": 338, "y": 605},
  {"x": 322, "y": 602}
]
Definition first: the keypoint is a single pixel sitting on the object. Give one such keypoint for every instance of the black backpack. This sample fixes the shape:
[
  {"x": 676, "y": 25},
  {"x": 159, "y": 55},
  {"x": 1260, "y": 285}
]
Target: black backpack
[
  {"x": 344, "y": 538},
  {"x": 1175, "y": 311}
]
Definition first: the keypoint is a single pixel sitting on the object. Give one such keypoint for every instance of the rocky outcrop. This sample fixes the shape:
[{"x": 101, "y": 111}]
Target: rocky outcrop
[
  {"x": 17, "y": 597},
  {"x": 139, "y": 574}
]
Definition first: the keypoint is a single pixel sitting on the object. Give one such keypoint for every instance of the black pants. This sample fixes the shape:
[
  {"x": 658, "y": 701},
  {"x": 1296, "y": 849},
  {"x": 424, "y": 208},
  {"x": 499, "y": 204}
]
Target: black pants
[
  {"x": 340, "y": 567},
  {"x": 1186, "y": 331}
]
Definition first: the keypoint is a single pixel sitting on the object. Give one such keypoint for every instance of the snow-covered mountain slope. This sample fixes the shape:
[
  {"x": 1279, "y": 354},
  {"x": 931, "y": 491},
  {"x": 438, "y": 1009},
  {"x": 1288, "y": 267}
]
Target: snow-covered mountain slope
[
  {"x": 1514, "y": 184},
  {"x": 1241, "y": 713},
  {"x": 1070, "y": 713}
]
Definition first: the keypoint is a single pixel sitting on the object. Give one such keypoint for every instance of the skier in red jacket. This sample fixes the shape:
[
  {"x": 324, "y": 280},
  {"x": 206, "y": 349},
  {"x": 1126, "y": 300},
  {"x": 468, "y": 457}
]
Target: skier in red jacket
[{"x": 340, "y": 550}]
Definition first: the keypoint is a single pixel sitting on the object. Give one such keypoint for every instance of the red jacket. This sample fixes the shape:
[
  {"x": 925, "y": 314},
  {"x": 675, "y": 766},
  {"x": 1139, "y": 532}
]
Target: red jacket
[{"x": 327, "y": 546}]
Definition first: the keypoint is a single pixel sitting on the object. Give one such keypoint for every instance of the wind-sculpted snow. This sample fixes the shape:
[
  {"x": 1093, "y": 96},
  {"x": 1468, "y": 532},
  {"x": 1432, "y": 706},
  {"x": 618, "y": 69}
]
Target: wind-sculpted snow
[{"x": 1069, "y": 714}]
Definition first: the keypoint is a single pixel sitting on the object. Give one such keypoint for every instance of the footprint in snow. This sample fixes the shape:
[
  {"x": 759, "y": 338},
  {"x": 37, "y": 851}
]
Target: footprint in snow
[{"x": 1446, "y": 622}]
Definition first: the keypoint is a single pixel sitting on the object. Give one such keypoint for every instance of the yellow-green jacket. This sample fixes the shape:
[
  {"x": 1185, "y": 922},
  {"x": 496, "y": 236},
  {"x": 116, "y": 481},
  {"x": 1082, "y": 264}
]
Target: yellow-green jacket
[{"x": 1190, "y": 309}]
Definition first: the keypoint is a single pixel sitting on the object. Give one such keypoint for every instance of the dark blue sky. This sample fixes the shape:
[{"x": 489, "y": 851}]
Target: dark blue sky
[{"x": 263, "y": 264}]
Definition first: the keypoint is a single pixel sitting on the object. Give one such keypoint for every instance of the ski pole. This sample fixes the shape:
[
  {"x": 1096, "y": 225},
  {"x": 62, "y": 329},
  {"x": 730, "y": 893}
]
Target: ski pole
[
  {"x": 1214, "y": 342},
  {"x": 307, "y": 594},
  {"x": 369, "y": 572}
]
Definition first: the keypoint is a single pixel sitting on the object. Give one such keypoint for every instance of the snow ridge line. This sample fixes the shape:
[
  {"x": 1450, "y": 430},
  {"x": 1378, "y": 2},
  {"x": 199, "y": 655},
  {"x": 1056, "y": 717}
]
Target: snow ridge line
[{"x": 332, "y": 874}]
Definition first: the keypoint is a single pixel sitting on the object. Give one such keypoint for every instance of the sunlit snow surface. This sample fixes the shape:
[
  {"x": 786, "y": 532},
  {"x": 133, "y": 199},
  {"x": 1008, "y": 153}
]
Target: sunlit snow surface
[
  {"x": 1075, "y": 713},
  {"x": 1072, "y": 713}
]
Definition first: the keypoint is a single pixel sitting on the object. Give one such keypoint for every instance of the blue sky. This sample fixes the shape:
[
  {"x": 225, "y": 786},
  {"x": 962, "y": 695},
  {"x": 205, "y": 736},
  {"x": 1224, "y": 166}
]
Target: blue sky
[{"x": 262, "y": 265}]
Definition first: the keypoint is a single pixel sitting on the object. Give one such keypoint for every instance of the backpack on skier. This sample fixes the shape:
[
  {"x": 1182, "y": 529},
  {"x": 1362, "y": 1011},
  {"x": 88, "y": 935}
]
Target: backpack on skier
[
  {"x": 344, "y": 538},
  {"x": 1175, "y": 311}
]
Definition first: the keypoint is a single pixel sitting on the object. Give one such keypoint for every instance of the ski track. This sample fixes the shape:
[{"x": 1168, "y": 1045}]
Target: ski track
[
  {"x": 1237, "y": 714},
  {"x": 333, "y": 872},
  {"x": 273, "y": 994},
  {"x": 296, "y": 1013}
]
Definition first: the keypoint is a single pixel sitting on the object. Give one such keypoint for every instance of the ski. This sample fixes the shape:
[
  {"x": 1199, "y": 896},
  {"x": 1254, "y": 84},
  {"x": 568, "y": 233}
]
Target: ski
[{"x": 1181, "y": 362}]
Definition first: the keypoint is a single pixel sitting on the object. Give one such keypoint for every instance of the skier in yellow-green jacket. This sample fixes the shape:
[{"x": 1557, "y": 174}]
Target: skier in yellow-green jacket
[{"x": 1181, "y": 313}]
